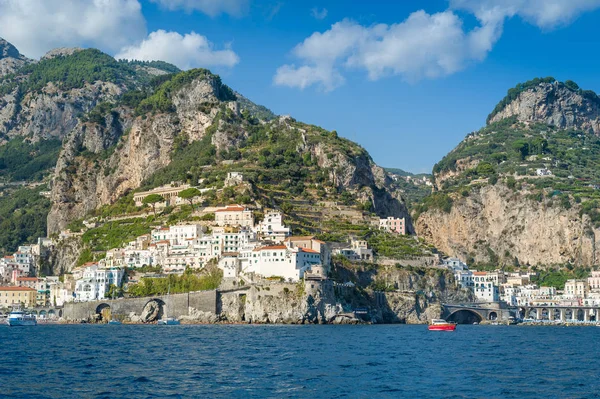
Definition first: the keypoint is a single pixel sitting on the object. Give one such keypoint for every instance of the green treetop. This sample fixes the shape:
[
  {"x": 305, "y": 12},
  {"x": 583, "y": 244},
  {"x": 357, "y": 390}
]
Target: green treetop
[
  {"x": 152, "y": 200},
  {"x": 189, "y": 194}
]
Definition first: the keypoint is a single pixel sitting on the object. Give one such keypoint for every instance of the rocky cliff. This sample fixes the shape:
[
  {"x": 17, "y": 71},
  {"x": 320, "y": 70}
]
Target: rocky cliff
[
  {"x": 413, "y": 296},
  {"x": 104, "y": 159},
  {"x": 10, "y": 58},
  {"x": 563, "y": 105},
  {"x": 495, "y": 224}
]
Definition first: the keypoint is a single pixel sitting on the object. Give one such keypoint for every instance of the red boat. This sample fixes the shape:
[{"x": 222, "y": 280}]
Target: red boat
[{"x": 441, "y": 325}]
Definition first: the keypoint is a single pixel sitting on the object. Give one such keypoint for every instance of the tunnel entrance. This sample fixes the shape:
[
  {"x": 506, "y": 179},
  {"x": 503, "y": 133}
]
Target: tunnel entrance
[
  {"x": 103, "y": 312},
  {"x": 465, "y": 317}
]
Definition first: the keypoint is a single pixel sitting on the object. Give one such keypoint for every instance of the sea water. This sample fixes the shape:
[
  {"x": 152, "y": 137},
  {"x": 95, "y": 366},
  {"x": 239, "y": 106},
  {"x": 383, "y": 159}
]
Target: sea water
[{"x": 253, "y": 361}]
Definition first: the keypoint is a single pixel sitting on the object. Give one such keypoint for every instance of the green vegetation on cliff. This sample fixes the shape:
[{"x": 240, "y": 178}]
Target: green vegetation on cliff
[
  {"x": 513, "y": 152},
  {"x": 22, "y": 160},
  {"x": 22, "y": 217},
  {"x": 116, "y": 233},
  {"x": 208, "y": 279},
  {"x": 161, "y": 100},
  {"x": 84, "y": 66},
  {"x": 558, "y": 277}
]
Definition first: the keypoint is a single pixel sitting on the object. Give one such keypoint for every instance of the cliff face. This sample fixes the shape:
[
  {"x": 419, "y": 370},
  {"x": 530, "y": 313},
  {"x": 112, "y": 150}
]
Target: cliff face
[
  {"x": 101, "y": 161},
  {"x": 10, "y": 58},
  {"x": 417, "y": 297},
  {"x": 522, "y": 190},
  {"x": 495, "y": 223},
  {"x": 52, "y": 112},
  {"x": 557, "y": 105}
]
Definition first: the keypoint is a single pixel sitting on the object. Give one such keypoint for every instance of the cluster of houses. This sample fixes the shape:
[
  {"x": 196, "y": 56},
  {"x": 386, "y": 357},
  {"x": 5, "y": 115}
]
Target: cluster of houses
[
  {"x": 234, "y": 243},
  {"x": 416, "y": 180},
  {"x": 517, "y": 289}
]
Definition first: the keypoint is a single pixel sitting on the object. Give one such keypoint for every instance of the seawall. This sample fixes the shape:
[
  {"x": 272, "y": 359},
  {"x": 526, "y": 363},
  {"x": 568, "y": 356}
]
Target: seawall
[{"x": 178, "y": 305}]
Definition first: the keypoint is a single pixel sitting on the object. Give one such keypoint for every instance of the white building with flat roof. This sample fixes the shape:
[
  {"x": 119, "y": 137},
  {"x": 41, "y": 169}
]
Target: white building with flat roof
[
  {"x": 282, "y": 261},
  {"x": 95, "y": 282},
  {"x": 272, "y": 228}
]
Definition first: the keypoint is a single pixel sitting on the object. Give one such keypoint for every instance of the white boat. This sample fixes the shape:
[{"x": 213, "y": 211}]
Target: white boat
[
  {"x": 168, "y": 321},
  {"x": 19, "y": 318}
]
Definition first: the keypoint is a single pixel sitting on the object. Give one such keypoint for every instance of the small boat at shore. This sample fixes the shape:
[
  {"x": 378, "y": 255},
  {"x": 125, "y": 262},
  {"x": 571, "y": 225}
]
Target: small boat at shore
[
  {"x": 168, "y": 321},
  {"x": 441, "y": 325},
  {"x": 19, "y": 318}
]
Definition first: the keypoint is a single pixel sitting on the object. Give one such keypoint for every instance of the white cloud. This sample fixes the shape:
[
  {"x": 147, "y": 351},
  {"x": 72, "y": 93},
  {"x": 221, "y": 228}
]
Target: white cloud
[
  {"x": 36, "y": 26},
  {"x": 319, "y": 14},
  {"x": 422, "y": 46},
  {"x": 210, "y": 7},
  {"x": 546, "y": 14},
  {"x": 186, "y": 51}
]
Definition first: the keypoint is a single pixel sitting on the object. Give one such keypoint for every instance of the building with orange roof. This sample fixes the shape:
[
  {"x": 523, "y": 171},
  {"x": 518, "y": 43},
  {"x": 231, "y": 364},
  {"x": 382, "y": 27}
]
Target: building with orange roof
[
  {"x": 310, "y": 242},
  {"x": 31, "y": 282}
]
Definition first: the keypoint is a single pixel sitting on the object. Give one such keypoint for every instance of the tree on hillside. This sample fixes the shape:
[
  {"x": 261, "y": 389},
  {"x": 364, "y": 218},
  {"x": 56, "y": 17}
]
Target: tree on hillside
[
  {"x": 152, "y": 200},
  {"x": 189, "y": 194}
]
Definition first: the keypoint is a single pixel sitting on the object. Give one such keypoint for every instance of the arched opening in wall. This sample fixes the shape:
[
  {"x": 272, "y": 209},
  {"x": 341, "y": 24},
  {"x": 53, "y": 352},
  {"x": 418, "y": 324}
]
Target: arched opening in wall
[
  {"x": 60, "y": 313},
  {"x": 556, "y": 313},
  {"x": 593, "y": 316},
  {"x": 465, "y": 316},
  {"x": 545, "y": 314},
  {"x": 43, "y": 314},
  {"x": 103, "y": 312},
  {"x": 569, "y": 316},
  {"x": 51, "y": 314},
  {"x": 533, "y": 314},
  {"x": 580, "y": 315},
  {"x": 493, "y": 316}
]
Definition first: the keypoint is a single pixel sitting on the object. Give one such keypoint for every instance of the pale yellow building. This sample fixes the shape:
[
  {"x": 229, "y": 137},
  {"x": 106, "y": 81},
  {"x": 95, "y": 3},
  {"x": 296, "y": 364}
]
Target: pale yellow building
[
  {"x": 12, "y": 296},
  {"x": 234, "y": 215}
]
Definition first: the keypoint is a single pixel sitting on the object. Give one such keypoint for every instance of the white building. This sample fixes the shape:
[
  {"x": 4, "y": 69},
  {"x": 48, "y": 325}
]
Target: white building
[
  {"x": 464, "y": 279},
  {"x": 272, "y": 228},
  {"x": 230, "y": 264},
  {"x": 485, "y": 288},
  {"x": 281, "y": 261},
  {"x": 179, "y": 234},
  {"x": 543, "y": 172},
  {"x": 576, "y": 289},
  {"x": 133, "y": 258},
  {"x": 234, "y": 179},
  {"x": 455, "y": 264},
  {"x": 594, "y": 281},
  {"x": 358, "y": 251},
  {"x": 95, "y": 282}
]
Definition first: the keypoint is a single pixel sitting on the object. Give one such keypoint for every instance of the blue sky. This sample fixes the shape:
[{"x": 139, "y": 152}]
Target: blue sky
[{"x": 406, "y": 91}]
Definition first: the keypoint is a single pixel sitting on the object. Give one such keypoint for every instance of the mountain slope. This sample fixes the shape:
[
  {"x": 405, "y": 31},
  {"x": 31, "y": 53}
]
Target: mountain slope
[
  {"x": 192, "y": 127},
  {"x": 524, "y": 189}
]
